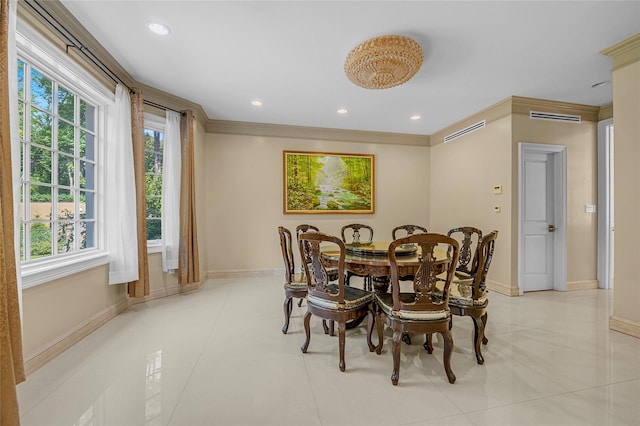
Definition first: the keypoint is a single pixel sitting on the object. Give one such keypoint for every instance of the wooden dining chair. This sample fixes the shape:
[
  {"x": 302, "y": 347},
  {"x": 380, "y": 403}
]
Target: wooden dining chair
[
  {"x": 335, "y": 302},
  {"x": 406, "y": 230},
  {"x": 469, "y": 239},
  {"x": 351, "y": 235},
  {"x": 418, "y": 311},
  {"x": 468, "y": 296},
  {"x": 295, "y": 284}
]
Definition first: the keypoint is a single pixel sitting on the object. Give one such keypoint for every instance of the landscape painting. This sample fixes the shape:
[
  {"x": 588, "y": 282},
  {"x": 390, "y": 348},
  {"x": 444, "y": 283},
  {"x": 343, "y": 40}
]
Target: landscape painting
[{"x": 328, "y": 183}]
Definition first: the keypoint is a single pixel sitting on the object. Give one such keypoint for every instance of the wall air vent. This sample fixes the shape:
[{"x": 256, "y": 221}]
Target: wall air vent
[
  {"x": 551, "y": 116},
  {"x": 465, "y": 131}
]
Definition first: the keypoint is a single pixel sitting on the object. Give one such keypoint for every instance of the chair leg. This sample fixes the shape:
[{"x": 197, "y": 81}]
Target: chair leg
[
  {"x": 448, "y": 351},
  {"x": 397, "y": 342},
  {"x": 478, "y": 334},
  {"x": 331, "y": 328},
  {"x": 484, "y": 337},
  {"x": 342, "y": 327},
  {"x": 288, "y": 302},
  {"x": 307, "y": 330},
  {"x": 379, "y": 328},
  {"x": 370, "y": 323},
  {"x": 428, "y": 343}
]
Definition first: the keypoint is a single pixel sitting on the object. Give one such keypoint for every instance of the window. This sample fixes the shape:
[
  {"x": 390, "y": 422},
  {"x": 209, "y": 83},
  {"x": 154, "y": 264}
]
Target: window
[
  {"x": 57, "y": 146},
  {"x": 153, "y": 147},
  {"x": 61, "y": 129}
]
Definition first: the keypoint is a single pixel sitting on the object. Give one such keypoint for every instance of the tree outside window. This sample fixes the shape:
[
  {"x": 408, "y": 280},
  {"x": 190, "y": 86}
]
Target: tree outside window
[{"x": 153, "y": 145}]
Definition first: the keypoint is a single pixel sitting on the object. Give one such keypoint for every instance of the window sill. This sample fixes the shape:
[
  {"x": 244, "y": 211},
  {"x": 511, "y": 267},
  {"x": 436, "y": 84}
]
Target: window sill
[
  {"x": 154, "y": 247},
  {"x": 49, "y": 270}
]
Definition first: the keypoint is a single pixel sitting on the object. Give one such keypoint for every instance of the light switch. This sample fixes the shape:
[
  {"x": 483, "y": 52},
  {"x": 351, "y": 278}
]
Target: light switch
[
  {"x": 497, "y": 189},
  {"x": 589, "y": 208}
]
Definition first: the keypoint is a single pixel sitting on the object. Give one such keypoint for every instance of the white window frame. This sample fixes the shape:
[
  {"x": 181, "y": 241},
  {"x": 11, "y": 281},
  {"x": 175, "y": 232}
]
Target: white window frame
[
  {"x": 37, "y": 51},
  {"x": 157, "y": 123}
]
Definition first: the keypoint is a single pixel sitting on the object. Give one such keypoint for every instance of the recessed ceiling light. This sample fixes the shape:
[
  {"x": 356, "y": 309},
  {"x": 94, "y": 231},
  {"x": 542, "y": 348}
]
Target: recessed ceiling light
[
  {"x": 256, "y": 102},
  {"x": 342, "y": 111},
  {"x": 415, "y": 117},
  {"x": 159, "y": 29},
  {"x": 600, "y": 84}
]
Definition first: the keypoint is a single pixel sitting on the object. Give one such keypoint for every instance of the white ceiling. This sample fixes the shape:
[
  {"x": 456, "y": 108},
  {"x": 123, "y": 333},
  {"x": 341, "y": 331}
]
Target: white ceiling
[{"x": 290, "y": 55}]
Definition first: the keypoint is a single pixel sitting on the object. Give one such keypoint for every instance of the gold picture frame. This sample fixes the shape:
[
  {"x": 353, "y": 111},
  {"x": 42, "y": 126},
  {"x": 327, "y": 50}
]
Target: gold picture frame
[{"x": 323, "y": 182}]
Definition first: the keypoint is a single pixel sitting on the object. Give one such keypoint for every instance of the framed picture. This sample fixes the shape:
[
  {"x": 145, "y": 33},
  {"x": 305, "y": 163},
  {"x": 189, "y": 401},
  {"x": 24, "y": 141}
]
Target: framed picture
[{"x": 319, "y": 182}]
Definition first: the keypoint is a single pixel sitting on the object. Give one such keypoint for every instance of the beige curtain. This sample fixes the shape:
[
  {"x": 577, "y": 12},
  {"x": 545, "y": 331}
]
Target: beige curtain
[
  {"x": 188, "y": 262},
  {"x": 139, "y": 288},
  {"x": 11, "y": 363}
]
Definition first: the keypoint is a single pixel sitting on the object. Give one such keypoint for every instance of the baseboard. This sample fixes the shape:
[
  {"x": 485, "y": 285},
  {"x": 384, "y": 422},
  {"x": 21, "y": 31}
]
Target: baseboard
[
  {"x": 582, "y": 285},
  {"x": 624, "y": 326},
  {"x": 503, "y": 288},
  {"x": 48, "y": 352},
  {"x": 245, "y": 273}
]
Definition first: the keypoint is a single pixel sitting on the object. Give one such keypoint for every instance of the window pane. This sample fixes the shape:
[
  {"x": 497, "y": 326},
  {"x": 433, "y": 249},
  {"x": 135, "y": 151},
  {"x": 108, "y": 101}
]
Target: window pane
[
  {"x": 22, "y": 148},
  {"x": 65, "y": 236},
  {"x": 65, "y": 170},
  {"x": 41, "y": 90},
  {"x": 87, "y": 205},
  {"x": 21, "y": 119},
  {"x": 20, "y": 79},
  {"x": 87, "y": 177},
  {"x": 87, "y": 115},
  {"x": 22, "y": 241},
  {"x": 87, "y": 234},
  {"x": 154, "y": 229},
  {"x": 40, "y": 204},
  {"x": 66, "y": 104},
  {"x": 41, "y": 127},
  {"x": 40, "y": 165},
  {"x": 41, "y": 244},
  {"x": 66, "y": 206},
  {"x": 65, "y": 137},
  {"x": 87, "y": 145}
]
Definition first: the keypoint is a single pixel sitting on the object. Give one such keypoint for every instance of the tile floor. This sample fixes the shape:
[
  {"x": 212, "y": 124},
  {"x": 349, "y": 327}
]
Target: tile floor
[{"x": 217, "y": 357}]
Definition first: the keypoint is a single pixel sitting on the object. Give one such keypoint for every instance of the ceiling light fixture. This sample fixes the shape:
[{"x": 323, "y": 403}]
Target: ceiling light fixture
[
  {"x": 342, "y": 111},
  {"x": 256, "y": 103},
  {"x": 383, "y": 62},
  {"x": 415, "y": 117},
  {"x": 159, "y": 29}
]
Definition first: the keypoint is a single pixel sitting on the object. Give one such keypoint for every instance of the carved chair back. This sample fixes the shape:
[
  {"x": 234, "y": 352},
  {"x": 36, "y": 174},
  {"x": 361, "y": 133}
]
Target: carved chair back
[
  {"x": 484, "y": 257},
  {"x": 318, "y": 274},
  {"x": 408, "y": 230},
  {"x": 305, "y": 228},
  {"x": 470, "y": 238},
  {"x": 356, "y": 234},
  {"x": 424, "y": 281},
  {"x": 287, "y": 253}
]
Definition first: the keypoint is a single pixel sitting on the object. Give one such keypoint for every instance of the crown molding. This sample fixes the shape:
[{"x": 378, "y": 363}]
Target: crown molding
[
  {"x": 302, "y": 132},
  {"x": 521, "y": 105},
  {"x": 606, "y": 112},
  {"x": 624, "y": 53},
  {"x": 172, "y": 102}
]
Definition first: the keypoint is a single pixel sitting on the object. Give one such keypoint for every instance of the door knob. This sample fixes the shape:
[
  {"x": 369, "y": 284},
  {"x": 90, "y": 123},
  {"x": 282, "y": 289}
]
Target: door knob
[{"x": 552, "y": 228}]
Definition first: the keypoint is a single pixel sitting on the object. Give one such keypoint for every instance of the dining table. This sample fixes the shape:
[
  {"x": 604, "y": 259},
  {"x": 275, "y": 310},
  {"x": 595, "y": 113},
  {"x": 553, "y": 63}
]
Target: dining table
[{"x": 371, "y": 259}]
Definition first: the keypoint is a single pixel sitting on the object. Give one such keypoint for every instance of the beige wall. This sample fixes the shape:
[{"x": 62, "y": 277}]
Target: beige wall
[
  {"x": 244, "y": 197},
  {"x": 582, "y": 184},
  {"x": 626, "y": 112},
  {"x": 464, "y": 172}
]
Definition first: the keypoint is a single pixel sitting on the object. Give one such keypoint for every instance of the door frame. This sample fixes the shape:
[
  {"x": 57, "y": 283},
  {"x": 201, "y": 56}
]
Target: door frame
[
  {"x": 605, "y": 248},
  {"x": 559, "y": 156}
]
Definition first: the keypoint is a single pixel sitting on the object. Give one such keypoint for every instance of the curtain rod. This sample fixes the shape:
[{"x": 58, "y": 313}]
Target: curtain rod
[
  {"x": 153, "y": 104},
  {"x": 76, "y": 43}
]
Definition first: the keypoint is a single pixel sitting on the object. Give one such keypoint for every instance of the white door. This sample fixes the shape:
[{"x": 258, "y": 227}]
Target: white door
[{"x": 538, "y": 221}]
